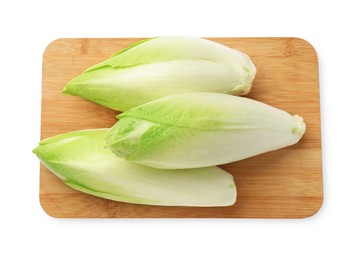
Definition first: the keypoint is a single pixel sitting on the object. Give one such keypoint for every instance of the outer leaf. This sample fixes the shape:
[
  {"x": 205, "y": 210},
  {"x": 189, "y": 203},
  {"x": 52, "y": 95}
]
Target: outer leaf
[
  {"x": 81, "y": 161},
  {"x": 201, "y": 129},
  {"x": 163, "y": 66}
]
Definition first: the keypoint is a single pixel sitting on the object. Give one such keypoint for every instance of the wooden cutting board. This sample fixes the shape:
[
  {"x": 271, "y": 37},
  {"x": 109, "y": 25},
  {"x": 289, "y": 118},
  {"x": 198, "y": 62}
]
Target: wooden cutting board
[{"x": 286, "y": 183}]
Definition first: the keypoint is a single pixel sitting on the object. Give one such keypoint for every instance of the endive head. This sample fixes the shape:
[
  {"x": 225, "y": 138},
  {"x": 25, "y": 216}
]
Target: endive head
[
  {"x": 163, "y": 66},
  {"x": 201, "y": 129},
  {"x": 80, "y": 159}
]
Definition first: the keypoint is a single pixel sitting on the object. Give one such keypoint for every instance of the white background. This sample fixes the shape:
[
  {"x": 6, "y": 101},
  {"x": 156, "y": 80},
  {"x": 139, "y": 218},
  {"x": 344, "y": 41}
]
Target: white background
[{"x": 335, "y": 28}]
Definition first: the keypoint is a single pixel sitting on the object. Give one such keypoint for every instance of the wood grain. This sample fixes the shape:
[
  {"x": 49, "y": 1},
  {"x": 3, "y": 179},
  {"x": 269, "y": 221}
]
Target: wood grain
[{"x": 286, "y": 183}]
